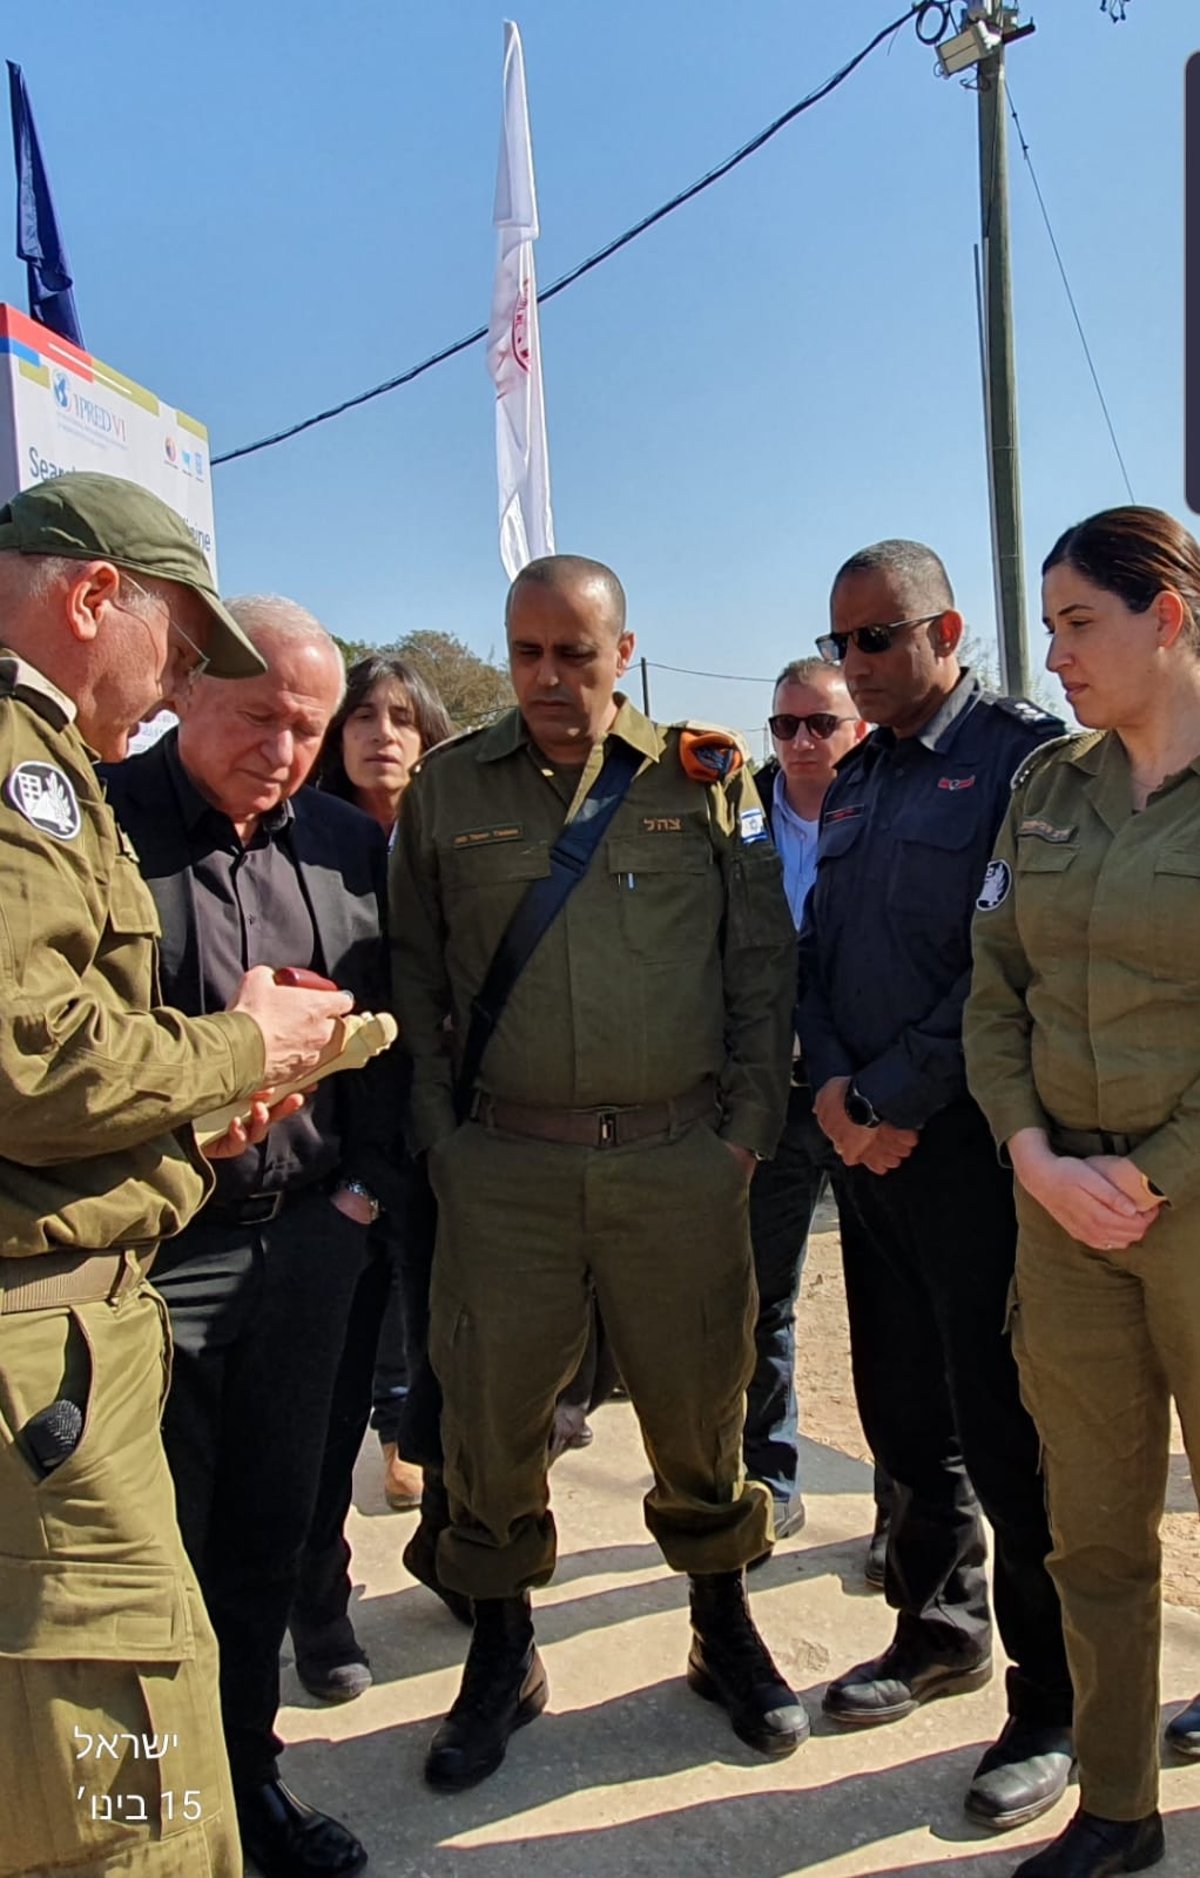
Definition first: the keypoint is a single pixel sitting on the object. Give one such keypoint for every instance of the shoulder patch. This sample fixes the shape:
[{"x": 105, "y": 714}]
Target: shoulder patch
[
  {"x": 1026, "y": 712},
  {"x": 1057, "y": 746},
  {"x": 708, "y": 753},
  {"x": 997, "y": 885},
  {"x": 46, "y": 798}
]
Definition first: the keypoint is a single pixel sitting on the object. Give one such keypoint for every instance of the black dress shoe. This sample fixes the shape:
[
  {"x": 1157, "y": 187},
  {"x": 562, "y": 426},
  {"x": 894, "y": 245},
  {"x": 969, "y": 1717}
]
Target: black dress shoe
[
  {"x": 330, "y": 1661},
  {"x": 503, "y": 1687},
  {"x": 1022, "y": 1776},
  {"x": 1183, "y": 1730},
  {"x": 891, "y": 1686},
  {"x": 875, "y": 1565},
  {"x": 1092, "y": 1847},
  {"x": 419, "y": 1558},
  {"x": 287, "y": 1839},
  {"x": 729, "y": 1663}
]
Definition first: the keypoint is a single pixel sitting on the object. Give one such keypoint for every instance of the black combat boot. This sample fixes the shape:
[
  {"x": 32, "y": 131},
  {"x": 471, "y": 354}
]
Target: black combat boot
[
  {"x": 1092, "y": 1847},
  {"x": 729, "y": 1663},
  {"x": 503, "y": 1687}
]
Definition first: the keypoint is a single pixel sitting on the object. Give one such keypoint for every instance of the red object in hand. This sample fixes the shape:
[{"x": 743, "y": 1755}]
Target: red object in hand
[{"x": 301, "y": 979}]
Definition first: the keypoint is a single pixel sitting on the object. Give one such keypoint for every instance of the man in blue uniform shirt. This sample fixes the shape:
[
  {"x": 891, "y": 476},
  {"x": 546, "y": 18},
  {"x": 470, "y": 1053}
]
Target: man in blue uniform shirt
[{"x": 928, "y": 1227}]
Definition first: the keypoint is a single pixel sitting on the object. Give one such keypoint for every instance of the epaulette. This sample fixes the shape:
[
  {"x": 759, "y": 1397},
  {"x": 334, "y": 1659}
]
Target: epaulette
[
  {"x": 1037, "y": 759},
  {"x": 19, "y": 679},
  {"x": 448, "y": 743},
  {"x": 1033, "y": 716},
  {"x": 709, "y": 753}
]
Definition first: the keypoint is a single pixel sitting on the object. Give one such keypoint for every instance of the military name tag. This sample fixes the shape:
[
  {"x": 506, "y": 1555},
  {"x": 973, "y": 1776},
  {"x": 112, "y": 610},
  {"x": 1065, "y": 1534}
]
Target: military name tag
[
  {"x": 480, "y": 837},
  {"x": 1045, "y": 831},
  {"x": 46, "y": 798}
]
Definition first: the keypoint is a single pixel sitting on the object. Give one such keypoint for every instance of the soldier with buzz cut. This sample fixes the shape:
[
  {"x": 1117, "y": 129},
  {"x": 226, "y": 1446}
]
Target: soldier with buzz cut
[
  {"x": 594, "y": 971},
  {"x": 108, "y": 1663}
]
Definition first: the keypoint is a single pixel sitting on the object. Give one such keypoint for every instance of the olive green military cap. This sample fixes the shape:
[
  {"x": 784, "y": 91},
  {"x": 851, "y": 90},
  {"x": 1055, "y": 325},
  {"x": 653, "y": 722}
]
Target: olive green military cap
[{"x": 85, "y": 516}]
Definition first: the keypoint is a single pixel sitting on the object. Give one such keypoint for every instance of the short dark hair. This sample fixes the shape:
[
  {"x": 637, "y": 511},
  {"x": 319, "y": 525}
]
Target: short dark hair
[
  {"x": 914, "y": 567},
  {"x": 561, "y": 571},
  {"x": 1136, "y": 553},
  {"x": 432, "y": 720}
]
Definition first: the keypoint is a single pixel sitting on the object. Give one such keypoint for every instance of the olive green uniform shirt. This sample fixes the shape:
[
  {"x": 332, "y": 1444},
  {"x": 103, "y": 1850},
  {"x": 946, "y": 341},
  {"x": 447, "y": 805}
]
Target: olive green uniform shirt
[
  {"x": 673, "y": 960},
  {"x": 1085, "y": 998},
  {"x": 96, "y": 1084}
]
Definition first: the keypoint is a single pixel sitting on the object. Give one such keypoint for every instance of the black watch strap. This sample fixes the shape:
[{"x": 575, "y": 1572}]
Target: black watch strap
[{"x": 860, "y": 1109}]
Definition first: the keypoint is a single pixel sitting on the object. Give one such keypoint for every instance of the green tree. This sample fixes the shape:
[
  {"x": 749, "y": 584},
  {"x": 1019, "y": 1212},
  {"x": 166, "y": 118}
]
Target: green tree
[{"x": 474, "y": 690}]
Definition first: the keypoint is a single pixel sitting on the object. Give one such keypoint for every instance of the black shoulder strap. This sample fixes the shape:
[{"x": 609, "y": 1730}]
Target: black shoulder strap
[{"x": 543, "y": 901}]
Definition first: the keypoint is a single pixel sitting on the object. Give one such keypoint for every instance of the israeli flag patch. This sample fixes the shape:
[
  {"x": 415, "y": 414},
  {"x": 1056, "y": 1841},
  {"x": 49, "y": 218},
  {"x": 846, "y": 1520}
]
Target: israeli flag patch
[
  {"x": 752, "y": 825},
  {"x": 46, "y": 798}
]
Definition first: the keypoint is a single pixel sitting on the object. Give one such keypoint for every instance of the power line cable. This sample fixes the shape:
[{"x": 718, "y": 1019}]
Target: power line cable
[
  {"x": 686, "y": 671},
  {"x": 1087, "y": 352},
  {"x": 916, "y": 11}
]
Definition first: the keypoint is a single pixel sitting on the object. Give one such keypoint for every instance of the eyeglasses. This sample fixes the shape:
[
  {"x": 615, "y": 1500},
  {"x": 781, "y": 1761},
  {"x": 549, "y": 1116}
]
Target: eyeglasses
[
  {"x": 818, "y": 724},
  {"x": 832, "y": 646},
  {"x": 200, "y": 662}
]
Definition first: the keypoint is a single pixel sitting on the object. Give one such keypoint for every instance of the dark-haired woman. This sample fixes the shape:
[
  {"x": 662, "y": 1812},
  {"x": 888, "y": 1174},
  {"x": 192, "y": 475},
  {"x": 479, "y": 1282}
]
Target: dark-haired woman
[
  {"x": 388, "y": 718},
  {"x": 1083, "y": 1048}
]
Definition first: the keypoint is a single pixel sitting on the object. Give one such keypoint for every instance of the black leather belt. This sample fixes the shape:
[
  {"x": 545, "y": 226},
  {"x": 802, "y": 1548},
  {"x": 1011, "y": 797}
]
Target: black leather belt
[
  {"x": 255, "y": 1210},
  {"x": 1087, "y": 1141},
  {"x": 598, "y": 1128}
]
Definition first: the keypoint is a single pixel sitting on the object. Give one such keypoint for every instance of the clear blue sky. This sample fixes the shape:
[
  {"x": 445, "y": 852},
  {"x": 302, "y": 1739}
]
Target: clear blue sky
[{"x": 273, "y": 206}]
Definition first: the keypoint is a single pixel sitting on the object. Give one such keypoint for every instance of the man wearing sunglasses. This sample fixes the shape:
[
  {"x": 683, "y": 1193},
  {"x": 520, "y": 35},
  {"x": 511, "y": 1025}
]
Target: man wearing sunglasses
[
  {"x": 813, "y": 724},
  {"x": 928, "y": 1228}
]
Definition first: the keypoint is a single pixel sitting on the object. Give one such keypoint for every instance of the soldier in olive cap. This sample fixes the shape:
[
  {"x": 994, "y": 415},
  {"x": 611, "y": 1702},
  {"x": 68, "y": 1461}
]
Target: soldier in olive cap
[{"x": 108, "y": 1683}]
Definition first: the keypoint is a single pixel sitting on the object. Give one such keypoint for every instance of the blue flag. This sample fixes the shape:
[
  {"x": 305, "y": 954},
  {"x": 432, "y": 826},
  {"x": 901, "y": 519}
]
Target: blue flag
[{"x": 39, "y": 242}]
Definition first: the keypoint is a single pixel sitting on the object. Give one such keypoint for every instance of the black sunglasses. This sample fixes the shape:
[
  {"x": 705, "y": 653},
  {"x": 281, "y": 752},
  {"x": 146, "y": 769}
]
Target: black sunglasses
[
  {"x": 832, "y": 646},
  {"x": 818, "y": 724}
]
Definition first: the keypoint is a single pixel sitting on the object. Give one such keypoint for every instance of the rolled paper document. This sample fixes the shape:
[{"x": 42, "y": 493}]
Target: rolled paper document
[{"x": 363, "y": 1035}]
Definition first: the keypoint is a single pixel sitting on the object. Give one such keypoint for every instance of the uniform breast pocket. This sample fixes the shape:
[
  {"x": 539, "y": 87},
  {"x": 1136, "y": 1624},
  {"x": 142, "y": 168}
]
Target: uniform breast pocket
[
  {"x": 1046, "y": 914},
  {"x": 669, "y": 890},
  {"x": 1174, "y": 913},
  {"x": 936, "y": 870},
  {"x": 500, "y": 868},
  {"x": 131, "y": 908}
]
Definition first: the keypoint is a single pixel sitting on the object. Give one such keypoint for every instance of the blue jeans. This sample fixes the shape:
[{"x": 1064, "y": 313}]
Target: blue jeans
[{"x": 784, "y": 1195}]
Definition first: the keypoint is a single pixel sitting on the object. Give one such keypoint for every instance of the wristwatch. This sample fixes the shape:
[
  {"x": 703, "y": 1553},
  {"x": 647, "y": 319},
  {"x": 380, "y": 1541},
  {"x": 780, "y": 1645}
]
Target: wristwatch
[
  {"x": 860, "y": 1109},
  {"x": 364, "y": 1193}
]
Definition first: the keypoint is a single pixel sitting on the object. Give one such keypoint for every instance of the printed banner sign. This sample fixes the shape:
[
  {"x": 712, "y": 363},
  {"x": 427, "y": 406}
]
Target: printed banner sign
[{"x": 61, "y": 409}]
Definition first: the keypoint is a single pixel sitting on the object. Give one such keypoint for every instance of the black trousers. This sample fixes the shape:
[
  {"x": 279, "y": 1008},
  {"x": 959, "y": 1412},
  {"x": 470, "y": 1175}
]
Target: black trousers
[
  {"x": 928, "y": 1252},
  {"x": 258, "y": 1315}
]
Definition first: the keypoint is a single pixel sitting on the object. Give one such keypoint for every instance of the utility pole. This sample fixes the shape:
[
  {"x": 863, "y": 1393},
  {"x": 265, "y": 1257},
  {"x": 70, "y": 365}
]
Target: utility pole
[
  {"x": 645, "y": 687},
  {"x": 987, "y": 27}
]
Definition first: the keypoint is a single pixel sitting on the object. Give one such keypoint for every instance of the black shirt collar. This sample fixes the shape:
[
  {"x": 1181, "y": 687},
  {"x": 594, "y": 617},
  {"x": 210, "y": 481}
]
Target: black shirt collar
[{"x": 195, "y": 806}]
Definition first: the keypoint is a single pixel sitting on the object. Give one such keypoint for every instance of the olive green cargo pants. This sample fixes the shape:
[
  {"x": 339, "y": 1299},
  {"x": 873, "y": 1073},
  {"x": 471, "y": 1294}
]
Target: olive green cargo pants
[
  {"x": 113, "y": 1755},
  {"x": 1103, "y": 1340},
  {"x": 661, "y": 1229}
]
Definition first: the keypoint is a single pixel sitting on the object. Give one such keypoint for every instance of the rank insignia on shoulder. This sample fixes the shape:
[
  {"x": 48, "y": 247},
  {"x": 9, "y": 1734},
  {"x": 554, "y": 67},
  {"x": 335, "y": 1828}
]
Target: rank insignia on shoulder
[
  {"x": 46, "y": 798},
  {"x": 752, "y": 825},
  {"x": 708, "y": 753},
  {"x": 1026, "y": 712}
]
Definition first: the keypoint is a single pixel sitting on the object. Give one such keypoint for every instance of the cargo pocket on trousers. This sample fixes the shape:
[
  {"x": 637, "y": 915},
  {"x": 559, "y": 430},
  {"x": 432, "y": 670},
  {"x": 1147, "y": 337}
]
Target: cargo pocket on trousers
[{"x": 92, "y": 1659}]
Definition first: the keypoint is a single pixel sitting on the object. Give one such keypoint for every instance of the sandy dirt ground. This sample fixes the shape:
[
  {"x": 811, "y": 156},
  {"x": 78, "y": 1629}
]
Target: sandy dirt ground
[{"x": 830, "y": 1416}]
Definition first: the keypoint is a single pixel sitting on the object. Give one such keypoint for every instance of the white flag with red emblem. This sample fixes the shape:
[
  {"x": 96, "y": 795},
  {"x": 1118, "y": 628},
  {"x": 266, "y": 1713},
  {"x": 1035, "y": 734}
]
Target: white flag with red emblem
[{"x": 514, "y": 352}]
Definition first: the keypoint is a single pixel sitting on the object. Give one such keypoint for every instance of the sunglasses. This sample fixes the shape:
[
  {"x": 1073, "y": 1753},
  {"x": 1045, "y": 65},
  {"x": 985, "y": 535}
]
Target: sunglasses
[
  {"x": 818, "y": 724},
  {"x": 832, "y": 646}
]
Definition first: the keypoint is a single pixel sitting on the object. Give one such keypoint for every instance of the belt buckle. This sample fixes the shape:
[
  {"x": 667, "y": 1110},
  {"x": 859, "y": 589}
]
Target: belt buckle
[{"x": 606, "y": 1128}]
